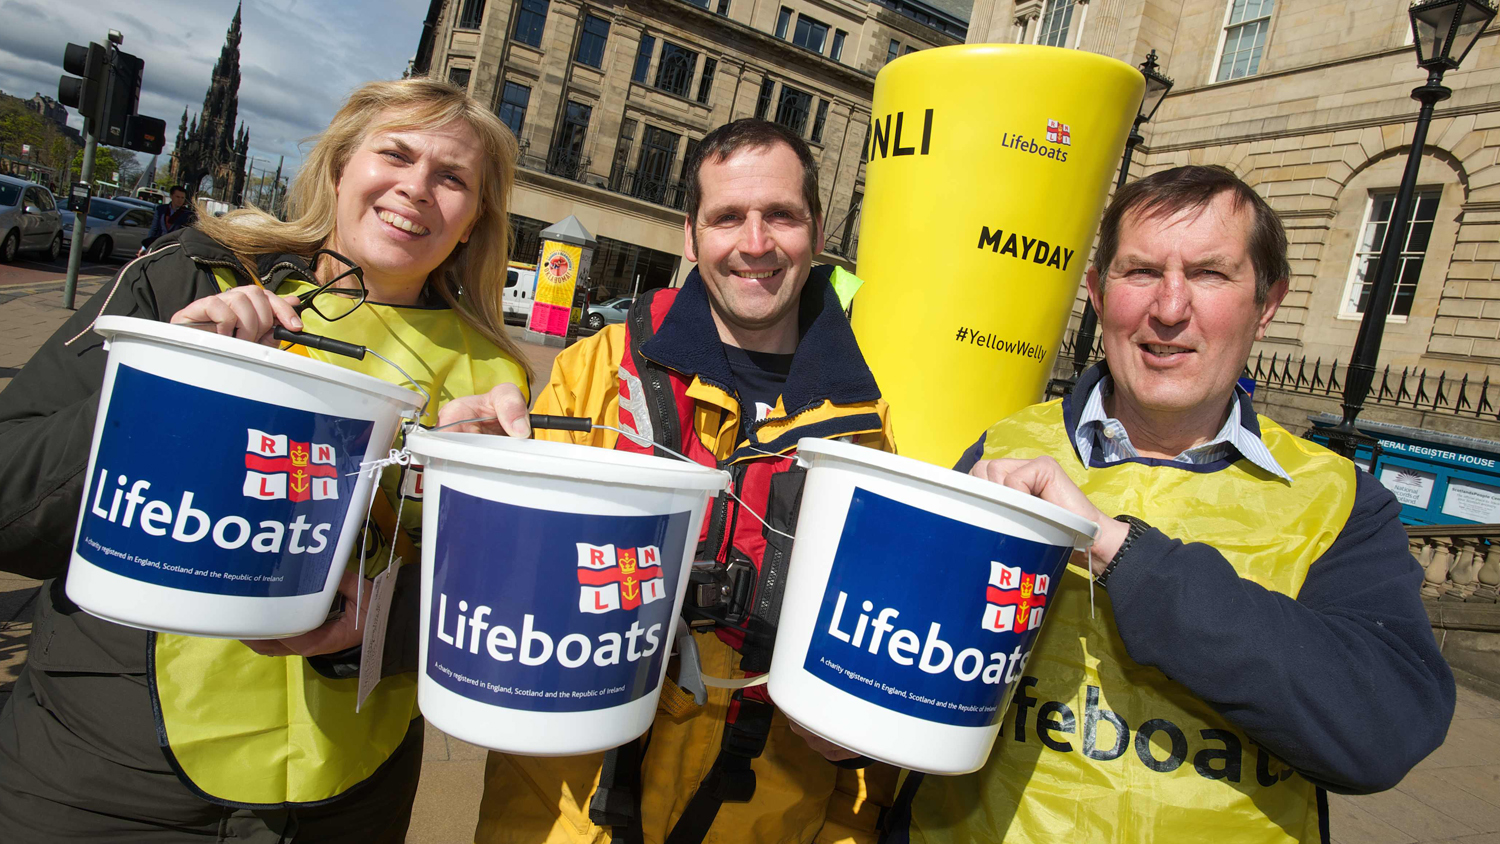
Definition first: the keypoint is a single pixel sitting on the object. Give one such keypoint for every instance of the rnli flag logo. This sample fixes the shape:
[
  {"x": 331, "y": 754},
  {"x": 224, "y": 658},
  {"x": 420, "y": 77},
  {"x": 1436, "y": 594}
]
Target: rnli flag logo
[
  {"x": 611, "y": 578},
  {"x": 276, "y": 467},
  {"x": 1014, "y": 599},
  {"x": 1059, "y": 133}
]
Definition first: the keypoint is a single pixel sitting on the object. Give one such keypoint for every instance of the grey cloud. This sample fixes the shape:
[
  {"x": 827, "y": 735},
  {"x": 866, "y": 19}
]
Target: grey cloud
[{"x": 298, "y": 61}]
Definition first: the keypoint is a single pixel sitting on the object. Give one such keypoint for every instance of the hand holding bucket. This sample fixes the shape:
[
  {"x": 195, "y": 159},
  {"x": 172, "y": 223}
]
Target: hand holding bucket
[
  {"x": 1043, "y": 478},
  {"x": 224, "y": 492},
  {"x": 552, "y": 577},
  {"x": 914, "y": 597}
]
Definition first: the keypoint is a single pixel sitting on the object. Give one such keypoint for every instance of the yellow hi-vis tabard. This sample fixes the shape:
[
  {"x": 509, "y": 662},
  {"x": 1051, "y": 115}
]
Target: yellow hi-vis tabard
[
  {"x": 1099, "y": 748},
  {"x": 250, "y": 730}
]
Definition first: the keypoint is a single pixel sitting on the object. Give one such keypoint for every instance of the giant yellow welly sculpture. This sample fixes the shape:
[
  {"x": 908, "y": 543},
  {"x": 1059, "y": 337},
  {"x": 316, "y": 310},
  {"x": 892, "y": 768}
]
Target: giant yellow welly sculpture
[{"x": 987, "y": 170}]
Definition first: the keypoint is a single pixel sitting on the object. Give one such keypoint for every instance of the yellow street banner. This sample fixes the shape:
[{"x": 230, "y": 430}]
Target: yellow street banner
[
  {"x": 556, "y": 277},
  {"x": 987, "y": 169}
]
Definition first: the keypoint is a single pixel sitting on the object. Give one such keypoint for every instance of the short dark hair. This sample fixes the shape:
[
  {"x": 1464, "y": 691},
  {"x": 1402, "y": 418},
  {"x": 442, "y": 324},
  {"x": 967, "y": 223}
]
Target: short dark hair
[
  {"x": 1193, "y": 187},
  {"x": 753, "y": 134},
  {"x": 176, "y": 189}
]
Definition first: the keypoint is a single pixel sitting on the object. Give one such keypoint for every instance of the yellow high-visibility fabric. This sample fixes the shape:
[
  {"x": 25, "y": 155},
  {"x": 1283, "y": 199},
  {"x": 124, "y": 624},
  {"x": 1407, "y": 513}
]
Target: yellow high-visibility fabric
[
  {"x": 261, "y": 731},
  {"x": 1216, "y": 785},
  {"x": 799, "y": 797}
]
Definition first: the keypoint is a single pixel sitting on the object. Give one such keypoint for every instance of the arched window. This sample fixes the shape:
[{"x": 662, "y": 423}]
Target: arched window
[{"x": 674, "y": 73}]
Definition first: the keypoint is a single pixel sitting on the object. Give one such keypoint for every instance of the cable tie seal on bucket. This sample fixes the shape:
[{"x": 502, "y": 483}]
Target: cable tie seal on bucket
[
  {"x": 1092, "y": 577},
  {"x": 396, "y": 457}
]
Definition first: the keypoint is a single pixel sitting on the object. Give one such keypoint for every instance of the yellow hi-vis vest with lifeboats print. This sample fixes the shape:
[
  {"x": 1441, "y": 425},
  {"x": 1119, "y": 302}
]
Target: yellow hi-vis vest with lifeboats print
[
  {"x": 1098, "y": 748},
  {"x": 259, "y": 731}
]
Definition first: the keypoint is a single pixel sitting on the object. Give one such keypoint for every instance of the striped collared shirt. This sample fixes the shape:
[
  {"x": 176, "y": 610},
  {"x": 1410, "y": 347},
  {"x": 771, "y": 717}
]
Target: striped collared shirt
[{"x": 1098, "y": 430}]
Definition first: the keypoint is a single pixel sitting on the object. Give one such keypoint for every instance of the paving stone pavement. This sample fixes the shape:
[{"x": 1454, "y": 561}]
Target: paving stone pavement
[
  {"x": 29, "y": 313},
  {"x": 1453, "y": 797}
]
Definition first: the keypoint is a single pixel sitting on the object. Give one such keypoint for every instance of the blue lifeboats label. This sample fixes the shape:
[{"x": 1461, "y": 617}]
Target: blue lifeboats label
[
  {"x": 210, "y": 492},
  {"x": 929, "y": 616},
  {"x": 548, "y": 611}
]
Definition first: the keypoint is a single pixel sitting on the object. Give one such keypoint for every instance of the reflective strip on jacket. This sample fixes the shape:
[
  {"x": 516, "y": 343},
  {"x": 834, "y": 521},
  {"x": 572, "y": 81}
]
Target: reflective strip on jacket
[
  {"x": 250, "y": 730},
  {"x": 1099, "y": 748},
  {"x": 799, "y": 796}
]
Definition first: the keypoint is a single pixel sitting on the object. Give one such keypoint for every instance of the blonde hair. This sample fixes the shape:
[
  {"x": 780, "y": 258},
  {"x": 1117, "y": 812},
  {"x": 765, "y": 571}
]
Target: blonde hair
[{"x": 472, "y": 278}]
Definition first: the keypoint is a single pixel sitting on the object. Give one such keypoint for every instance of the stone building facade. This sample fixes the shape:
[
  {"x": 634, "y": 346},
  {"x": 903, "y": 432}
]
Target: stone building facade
[
  {"x": 608, "y": 97},
  {"x": 1309, "y": 102}
]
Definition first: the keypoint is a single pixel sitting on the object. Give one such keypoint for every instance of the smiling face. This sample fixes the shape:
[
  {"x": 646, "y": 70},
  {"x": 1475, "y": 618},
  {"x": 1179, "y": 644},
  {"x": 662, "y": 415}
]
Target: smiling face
[
  {"x": 1178, "y": 315},
  {"x": 406, "y": 199},
  {"x": 754, "y": 243}
]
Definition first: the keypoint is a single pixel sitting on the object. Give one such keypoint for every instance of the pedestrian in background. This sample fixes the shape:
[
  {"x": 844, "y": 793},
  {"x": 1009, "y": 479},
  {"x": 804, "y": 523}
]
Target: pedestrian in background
[{"x": 170, "y": 216}]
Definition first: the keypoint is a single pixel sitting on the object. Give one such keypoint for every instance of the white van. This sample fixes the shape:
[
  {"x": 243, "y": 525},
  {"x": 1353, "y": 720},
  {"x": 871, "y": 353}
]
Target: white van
[{"x": 520, "y": 289}]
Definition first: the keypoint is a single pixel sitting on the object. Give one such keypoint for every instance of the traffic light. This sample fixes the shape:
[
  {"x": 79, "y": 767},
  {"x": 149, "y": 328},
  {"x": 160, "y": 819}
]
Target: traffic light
[
  {"x": 144, "y": 134},
  {"x": 123, "y": 97},
  {"x": 86, "y": 93}
]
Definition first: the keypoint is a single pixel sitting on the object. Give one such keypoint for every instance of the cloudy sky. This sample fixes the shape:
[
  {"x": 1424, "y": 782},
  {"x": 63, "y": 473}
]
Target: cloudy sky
[{"x": 298, "y": 58}]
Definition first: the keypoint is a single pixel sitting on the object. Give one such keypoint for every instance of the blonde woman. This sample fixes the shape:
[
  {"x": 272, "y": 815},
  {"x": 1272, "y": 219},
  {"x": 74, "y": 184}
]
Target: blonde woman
[{"x": 114, "y": 734}]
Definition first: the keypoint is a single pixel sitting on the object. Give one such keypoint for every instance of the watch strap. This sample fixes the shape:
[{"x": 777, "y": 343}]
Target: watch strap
[{"x": 1136, "y": 528}]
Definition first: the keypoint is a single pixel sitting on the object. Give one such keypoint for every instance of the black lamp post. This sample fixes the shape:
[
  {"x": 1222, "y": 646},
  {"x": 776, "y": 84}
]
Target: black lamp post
[
  {"x": 1157, "y": 87},
  {"x": 1445, "y": 32}
]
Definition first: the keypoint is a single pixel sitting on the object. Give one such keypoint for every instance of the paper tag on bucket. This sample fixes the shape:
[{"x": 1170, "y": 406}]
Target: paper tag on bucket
[{"x": 373, "y": 649}]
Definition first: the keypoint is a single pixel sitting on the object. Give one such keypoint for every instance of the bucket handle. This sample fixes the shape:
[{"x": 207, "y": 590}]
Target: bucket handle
[{"x": 351, "y": 350}]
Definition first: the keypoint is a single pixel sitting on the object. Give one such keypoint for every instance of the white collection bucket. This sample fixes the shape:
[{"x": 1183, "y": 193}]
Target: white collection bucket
[
  {"x": 913, "y": 599},
  {"x": 224, "y": 492},
  {"x": 552, "y": 576}
]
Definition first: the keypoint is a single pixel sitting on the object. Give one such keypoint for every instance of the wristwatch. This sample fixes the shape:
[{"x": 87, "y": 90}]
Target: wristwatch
[{"x": 1137, "y": 527}]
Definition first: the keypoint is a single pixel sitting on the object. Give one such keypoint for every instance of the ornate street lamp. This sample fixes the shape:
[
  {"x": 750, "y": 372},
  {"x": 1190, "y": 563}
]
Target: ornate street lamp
[
  {"x": 1157, "y": 87},
  {"x": 1445, "y": 32}
]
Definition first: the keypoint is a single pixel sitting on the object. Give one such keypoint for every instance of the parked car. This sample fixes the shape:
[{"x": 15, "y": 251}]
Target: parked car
[
  {"x": 112, "y": 228},
  {"x": 29, "y": 220},
  {"x": 139, "y": 203},
  {"x": 604, "y": 313}
]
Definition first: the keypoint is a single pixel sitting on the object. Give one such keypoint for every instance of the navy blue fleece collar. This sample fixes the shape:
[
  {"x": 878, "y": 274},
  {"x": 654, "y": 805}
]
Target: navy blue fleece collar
[{"x": 827, "y": 364}]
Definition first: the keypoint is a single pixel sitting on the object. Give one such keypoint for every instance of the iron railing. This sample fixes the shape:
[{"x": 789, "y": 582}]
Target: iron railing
[
  {"x": 1411, "y": 387},
  {"x": 569, "y": 164},
  {"x": 671, "y": 193}
]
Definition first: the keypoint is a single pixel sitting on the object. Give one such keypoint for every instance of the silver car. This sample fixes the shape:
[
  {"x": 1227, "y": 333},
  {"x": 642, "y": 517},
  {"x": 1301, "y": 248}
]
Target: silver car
[
  {"x": 29, "y": 220},
  {"x": 615, "y": 310},
  {"x": 113, "y": 228},
  {"x": 139, "y": 203}
]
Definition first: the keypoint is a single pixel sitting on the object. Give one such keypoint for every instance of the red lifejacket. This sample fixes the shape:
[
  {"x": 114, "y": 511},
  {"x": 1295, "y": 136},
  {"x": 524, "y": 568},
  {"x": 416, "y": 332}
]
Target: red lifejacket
[
  {"x": 730, "y": 537},
  {"x": 751, "y": 556}
]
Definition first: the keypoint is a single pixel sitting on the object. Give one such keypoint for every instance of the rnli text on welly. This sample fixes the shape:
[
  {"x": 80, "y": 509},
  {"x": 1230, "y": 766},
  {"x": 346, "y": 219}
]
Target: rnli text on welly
[
  {"x": 887, "y": 141},
  {"x": 191, "y": 525},
  {"x": 934, "y": 656},
  {"x": 536, "y": 647}
]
